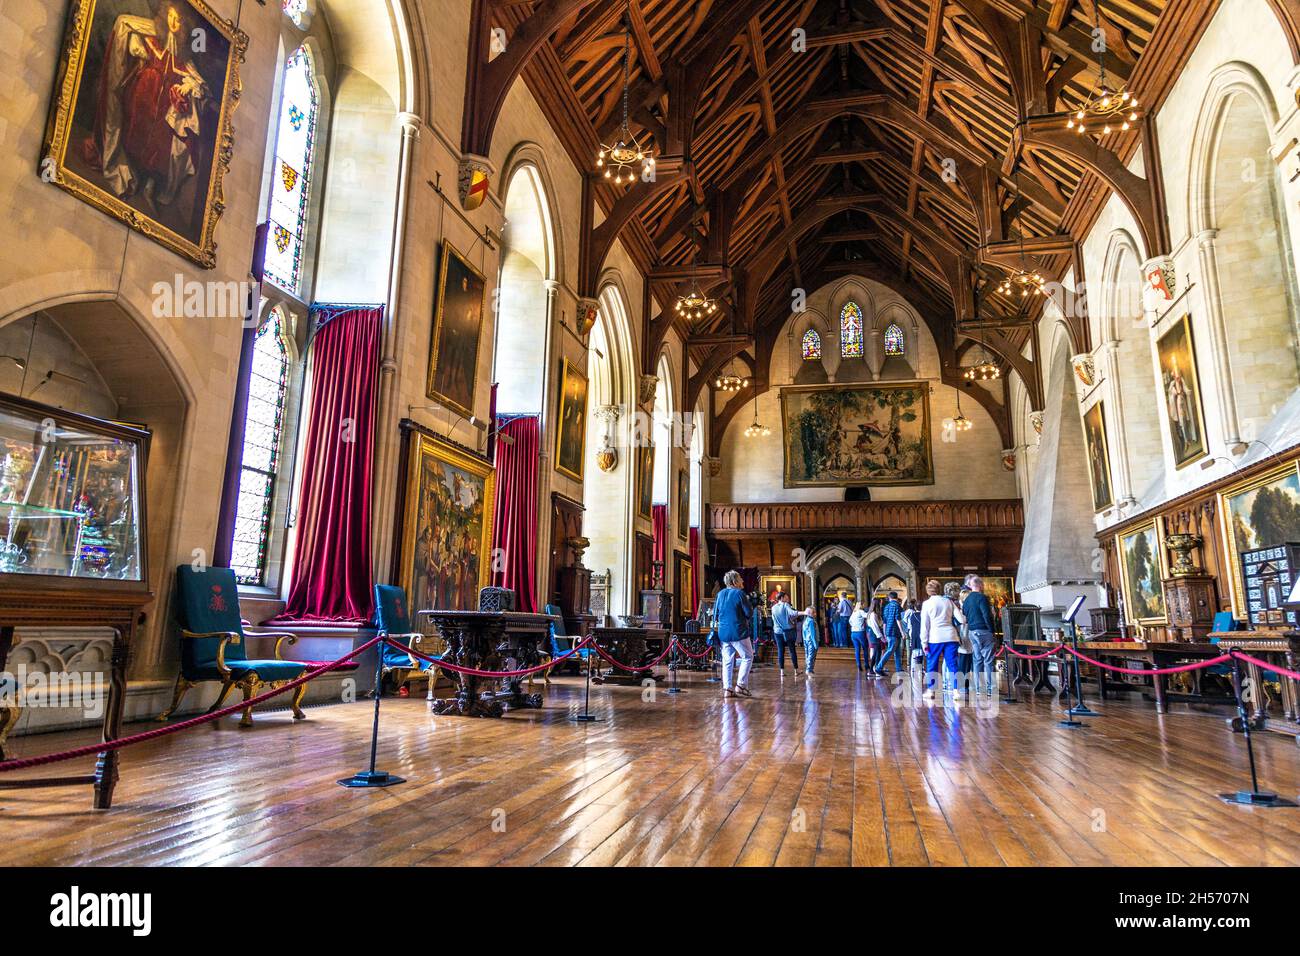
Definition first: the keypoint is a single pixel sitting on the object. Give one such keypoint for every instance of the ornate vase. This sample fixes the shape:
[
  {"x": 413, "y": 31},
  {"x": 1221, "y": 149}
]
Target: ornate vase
[{"x": 1181, "y": 547}]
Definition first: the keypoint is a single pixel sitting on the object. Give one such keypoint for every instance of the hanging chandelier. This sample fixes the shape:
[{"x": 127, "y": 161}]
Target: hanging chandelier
[
  {"x": 619, "y": 161},
  {"x": 1106, "y": 109},
  {"x": 1023, "y": 282},
  {"x": 959, "y": 421},
  {"x": 757, "y": 430},
  {"x": 695, "y": 305},
  {"x": 985, "y": 370},
  {"x": 730, "y": 382}
]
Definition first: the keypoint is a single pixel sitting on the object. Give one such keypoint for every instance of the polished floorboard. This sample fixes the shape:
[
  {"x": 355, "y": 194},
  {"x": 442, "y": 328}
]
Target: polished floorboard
[{"x": 825, "y": 771}]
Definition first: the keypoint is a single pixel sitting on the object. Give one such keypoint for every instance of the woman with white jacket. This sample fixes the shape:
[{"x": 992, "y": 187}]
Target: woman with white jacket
[{"x": 938, "y": 637}]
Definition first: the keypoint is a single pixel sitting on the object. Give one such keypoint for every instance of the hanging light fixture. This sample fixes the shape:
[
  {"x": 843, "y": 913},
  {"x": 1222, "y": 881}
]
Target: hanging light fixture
[
  {"x": 730, "y": 382},
  {"x": 620, "y": 160},
  {"x": 959, "y": 421},
  {"x": 695, "y": 305},
  {"x": 1023, "y": 282},
  {"x": 985, "y": 370},
  {"x": 1106, "y": 109},
  {"x": 757, "y": 430}
]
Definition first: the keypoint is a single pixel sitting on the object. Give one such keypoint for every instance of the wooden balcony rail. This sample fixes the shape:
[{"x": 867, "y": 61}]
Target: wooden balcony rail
[{"x": 915, "y": 518}]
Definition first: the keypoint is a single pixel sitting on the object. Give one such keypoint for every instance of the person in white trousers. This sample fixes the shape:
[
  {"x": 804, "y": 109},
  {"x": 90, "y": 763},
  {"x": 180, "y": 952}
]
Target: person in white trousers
[{"x": 732, "y": 613}]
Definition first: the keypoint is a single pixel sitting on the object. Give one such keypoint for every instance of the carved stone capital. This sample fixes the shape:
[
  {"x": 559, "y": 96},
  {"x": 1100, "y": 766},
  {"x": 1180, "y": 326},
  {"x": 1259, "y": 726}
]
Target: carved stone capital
[
  {"x": 1036, "y": 422},
  {"x": 712, "y": 465}
]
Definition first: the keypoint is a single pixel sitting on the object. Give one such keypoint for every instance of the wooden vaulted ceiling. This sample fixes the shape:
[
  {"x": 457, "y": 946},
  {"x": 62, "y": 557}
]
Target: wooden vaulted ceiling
[{"x": 927, "y": 57}]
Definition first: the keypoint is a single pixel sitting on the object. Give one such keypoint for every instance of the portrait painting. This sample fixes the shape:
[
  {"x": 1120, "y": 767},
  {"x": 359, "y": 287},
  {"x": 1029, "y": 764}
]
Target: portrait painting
[
  {"x": 1182, "y": 393},
  {"x": 1094, "y": 436},
  {"x": 685, "y": 585},
  {"x": 1140, "y": 564},
  {"x": 683, "y": 503},
  {"x": 840, "y": 436},
  {"x": 571, "y": 422},
  {"x": 446, "y": 524},
  {"x": 772, "y": 585},
  {"x": 645, "y": 481},
  {"x": 1261, "y": 512},
  {"x": 140, "y": 124},
  {"x": 999, "y": 589},
  {"x": 457, "y": 331}
]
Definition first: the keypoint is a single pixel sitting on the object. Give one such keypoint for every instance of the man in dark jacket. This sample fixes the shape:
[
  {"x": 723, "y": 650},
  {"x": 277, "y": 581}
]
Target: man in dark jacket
[{"x": 979, "y": 628}]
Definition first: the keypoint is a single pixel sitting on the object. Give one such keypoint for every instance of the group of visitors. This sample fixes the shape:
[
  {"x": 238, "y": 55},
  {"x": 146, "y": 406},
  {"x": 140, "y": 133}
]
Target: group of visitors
[{"x": 950, "y": 633}]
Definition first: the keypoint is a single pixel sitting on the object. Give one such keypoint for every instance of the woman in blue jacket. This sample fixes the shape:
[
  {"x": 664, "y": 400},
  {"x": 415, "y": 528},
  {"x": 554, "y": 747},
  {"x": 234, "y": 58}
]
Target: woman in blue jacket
[{"x": 732, "y": 613}]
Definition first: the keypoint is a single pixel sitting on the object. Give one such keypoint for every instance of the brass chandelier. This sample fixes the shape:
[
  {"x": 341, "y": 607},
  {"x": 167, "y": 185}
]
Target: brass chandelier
[
  {"x": 1023, "y": 282},
  {"x": 985, "y": 370},
  {"x": 729, "y": 382},
  {"x": 621, "y": 159},
  {"x": 1106, "y": 109},
  {"x": 959, "y": 421},
  {"x": 695, "y": 305},
  {"x": 757, "y": 430}
]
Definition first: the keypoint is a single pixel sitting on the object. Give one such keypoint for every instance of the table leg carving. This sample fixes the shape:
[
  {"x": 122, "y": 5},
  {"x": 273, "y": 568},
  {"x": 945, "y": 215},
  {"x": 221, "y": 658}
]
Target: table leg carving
[{"x": 106, "y": 773}]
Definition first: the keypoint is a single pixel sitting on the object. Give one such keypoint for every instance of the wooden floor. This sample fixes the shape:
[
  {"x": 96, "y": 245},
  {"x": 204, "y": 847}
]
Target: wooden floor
[{"x": 813, "y": 771}]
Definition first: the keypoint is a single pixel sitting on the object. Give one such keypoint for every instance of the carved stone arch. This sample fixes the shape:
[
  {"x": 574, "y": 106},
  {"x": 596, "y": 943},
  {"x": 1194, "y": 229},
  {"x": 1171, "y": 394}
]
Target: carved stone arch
[
  {"x": 903, "y": 562},
  {"x": 530, "y": 154},
  {"x": 826, "y": 553},
  {"x": 1120, "y": 246}
]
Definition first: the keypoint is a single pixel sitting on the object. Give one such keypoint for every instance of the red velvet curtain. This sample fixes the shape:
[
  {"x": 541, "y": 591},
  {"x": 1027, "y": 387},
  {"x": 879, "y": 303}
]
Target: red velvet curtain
[
  {"x": 514, "y": 527},
  {"x": 659, "y": 523},
  {"x": 691, "y": 603},
  {"x": 331, "y": 562}
]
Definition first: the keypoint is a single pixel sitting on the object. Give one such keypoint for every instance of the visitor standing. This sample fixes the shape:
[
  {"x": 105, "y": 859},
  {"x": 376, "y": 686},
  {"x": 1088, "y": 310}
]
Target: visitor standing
[
  {"x": 810, "y": 638},
  {"x": 979, "y": 628},
  {"x": 891, "y": 616},
  {"x": 938, "y": 637},
  {"x": 733, "y": 613},
  {"x": 783, "y": 632},
  {"x": 858, "y": 635}
]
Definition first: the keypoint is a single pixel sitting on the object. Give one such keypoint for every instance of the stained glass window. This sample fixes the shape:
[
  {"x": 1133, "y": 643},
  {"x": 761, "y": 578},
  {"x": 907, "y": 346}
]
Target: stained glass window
[
  {"x": 894, "y": 344},
  {"x": 296, "y": 10},
  {"x": 812, "y": 345},
  {"x": 291, "y": 177},
  {"x": 851, "y": 330},
  {"x": 263, "y": 426}
]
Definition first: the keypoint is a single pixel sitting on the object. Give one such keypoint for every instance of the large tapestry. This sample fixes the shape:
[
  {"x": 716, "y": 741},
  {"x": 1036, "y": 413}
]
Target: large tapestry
[
  {"x": 446, "y": 524},
  {"x": 1262, "y": 512},
  {"x": 140, "y": 118},
  {"x": 857, "y": 435},
  {"x": 1182, "y": 393}
]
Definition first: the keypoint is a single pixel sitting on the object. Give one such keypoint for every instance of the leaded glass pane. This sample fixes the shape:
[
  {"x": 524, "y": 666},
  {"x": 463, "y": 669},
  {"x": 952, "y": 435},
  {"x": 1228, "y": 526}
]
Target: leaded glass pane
[
  {"x": 296, "y": 10},
  {"x": 291, "y": 179},
  {"x": 894, "y": 344},
  {"x": 851, "y": 331},
  {"x": 812, "y": 345}
]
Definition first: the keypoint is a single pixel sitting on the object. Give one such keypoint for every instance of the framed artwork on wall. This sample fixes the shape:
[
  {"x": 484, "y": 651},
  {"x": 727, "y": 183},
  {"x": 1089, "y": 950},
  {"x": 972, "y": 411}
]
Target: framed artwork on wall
[
  {"x": 645, "y": 481},
  {"x": 571, "y": 422},
  {"x": 139, "y": 123},
  {"x": 457, "y": 332},
  {"x": 1094, "y": 437},
  {"x": 445, "y": 523},
  {"x": 773, "y": 584},
  {"x": 999, "y": 589},
  {"x": 683, "y": 504},
  {"x": 1141, "y": 565},
  {"x": 840, "y": 436},
  {"x": 685, "y": 583},
  {"x": 1182, "y": 393},
  {"x": 1261, "y": 512}
]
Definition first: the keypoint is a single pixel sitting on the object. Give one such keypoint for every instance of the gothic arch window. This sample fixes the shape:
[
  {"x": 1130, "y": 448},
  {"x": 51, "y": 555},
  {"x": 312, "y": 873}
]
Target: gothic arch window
[
  {"x": 268, "y": 389},
  {"x": 297, "y": 11},
  {"x": 895, "y": 343},
  {"x": 851, "y": 330},
  {"x": 295, "y": 148},
  {"x": 527, "y": 266},
  {"x": 812, "y": 345}
]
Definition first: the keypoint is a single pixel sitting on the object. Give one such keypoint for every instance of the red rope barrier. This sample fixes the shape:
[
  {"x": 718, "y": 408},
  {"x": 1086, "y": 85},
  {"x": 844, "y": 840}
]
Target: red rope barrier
[
  {"x": 682, "y": 648},
  {"x": 474, "y": 672},
  {"x": 120, "y": 742},
  {"x": 1154, "y": 670},
  {"x": 1034, "y": 657},
  {"x": 648, "y": 667},
  {"x": 1294, "y": 675}
]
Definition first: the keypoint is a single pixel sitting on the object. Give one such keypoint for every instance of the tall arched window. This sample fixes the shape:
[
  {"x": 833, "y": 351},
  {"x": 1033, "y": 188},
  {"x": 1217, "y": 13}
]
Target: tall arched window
[
  {"x": 812, "y": 345},
  {"x": 895, "y": 344},
  {"x": 291, "y": 178},
  {"x": 263, "y": 431},
  {"x": 851, "y": 330}
]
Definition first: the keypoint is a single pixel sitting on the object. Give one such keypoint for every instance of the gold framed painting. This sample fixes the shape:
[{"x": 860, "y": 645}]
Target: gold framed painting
[
  {"x": 139, "y": 123},
  {"x": 773, "y": 584},
  {"x": 1094, "y": 436},
  {"x": 683, "y": 504},
  {"x": 1141, "y": 567},
  {"x": 457, "y": 332},
  {"x": 1260, "y": 512},
  {"x": 839, "y": 436},
  {"x": 447, "y": 502},
  {"x": 645, "y": 481},
  {"x": 1182, "y": 393},
  {"x": 571, "y": 421}
]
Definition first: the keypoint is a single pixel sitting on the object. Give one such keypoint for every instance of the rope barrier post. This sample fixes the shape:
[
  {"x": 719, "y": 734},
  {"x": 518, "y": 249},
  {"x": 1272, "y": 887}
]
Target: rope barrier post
[
  {"x": 1069, "y": 691},
  {"x": 373, "y": 777},
  {"x": 1254, "y": 797},
  {"x": 587, "y": 717},
  {"x": 713, "y": 677},
  {"x": 1080, "y": 709},
  {"x": 677, "y": 663},
  {"x": 1008, "y": 696}
]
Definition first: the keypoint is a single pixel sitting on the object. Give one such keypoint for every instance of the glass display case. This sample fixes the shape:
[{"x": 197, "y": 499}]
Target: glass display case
[{"x": 71, "y": 495}]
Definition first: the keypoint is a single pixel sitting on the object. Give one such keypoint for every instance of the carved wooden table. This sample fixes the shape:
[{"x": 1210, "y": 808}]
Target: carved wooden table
[
  {"x": 60, "y": 603},
  {"x": 634, "y": 646},
  {"x": 1276, "y": 647},
  {"x": 490, "y": 641}
]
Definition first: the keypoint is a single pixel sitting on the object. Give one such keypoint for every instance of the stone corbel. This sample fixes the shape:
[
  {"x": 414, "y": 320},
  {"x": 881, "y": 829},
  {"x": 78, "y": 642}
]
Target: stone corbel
[
  {"x": 1036, "y": 423},
  {"x": 646, "y": 394},
  {"x": 588, "y": 311},
  {"x": 607, "y": 456},
  {"x": 1009, "y": 459},
  {"x": 1085, "y": 369},
  {"x": 473, "y": 180},
  {"x": 712, "y": 465}
]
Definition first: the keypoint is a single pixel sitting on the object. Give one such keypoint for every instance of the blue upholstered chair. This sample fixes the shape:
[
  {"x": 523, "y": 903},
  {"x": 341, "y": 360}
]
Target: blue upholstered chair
[
  {"x": 562, "y": 643},
  {"x": 213, "y": 644},
  {"x": 393, "y": 620}
]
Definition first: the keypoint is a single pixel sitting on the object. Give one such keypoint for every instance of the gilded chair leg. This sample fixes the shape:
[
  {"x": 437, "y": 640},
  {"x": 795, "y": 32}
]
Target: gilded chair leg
[
  {"x": 226, "y": 688},
  {"x": 296, "y": 703},
  {"x": 249, "y": 688},
  {"x": 182, "y": 687}
]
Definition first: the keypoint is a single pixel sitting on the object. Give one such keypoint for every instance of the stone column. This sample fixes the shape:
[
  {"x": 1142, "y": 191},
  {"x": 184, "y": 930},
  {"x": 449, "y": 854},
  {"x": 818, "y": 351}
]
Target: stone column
[{"x": 1223, "y": 390}]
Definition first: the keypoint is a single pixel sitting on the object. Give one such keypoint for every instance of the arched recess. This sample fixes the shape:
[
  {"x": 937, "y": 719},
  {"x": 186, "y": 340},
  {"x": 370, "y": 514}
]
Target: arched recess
[
  {"x": 528, "y": 276},
  {"x": 884, "y": 363},
  {"x": 882, "y": 560},
  {"x": 100, "y": 357},
  {"x": 1239, "y": 219},
  {"x": 829, "y": 562},
  {"x": 1133, "y": 406},
  {"x": 608, "y": 494}
]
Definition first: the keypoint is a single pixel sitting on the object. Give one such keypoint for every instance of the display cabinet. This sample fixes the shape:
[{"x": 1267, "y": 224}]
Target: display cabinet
[{"x": 72, "y": 545}]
